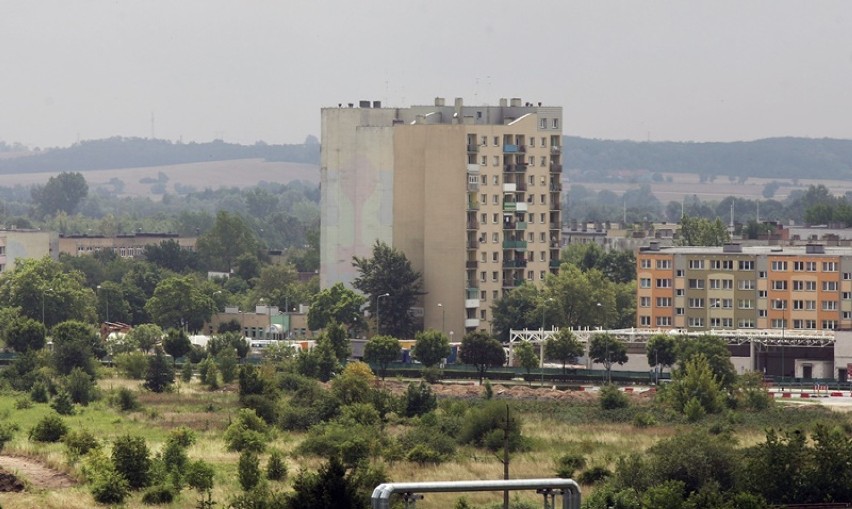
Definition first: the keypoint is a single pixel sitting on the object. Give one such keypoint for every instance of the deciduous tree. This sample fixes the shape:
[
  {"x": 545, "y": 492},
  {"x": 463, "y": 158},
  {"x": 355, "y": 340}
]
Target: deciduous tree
[
  {"x": 563, "y": 347},
  {"x": 479, "y": 349},
  {"x": 606, "y": 349},
  {"x": 337, "y": 303},
  {"x": 382, "y": 350},
  {"x": 179, "y": 301},
  {"x": 431, "y": 347}
]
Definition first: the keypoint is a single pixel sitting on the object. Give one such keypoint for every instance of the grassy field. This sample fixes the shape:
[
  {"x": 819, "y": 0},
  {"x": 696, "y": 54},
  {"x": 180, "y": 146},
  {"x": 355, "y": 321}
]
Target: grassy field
[{"x": 552, "y": 428}]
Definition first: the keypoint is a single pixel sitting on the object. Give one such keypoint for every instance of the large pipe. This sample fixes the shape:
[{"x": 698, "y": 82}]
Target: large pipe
[{"x": 570, "y": 489}]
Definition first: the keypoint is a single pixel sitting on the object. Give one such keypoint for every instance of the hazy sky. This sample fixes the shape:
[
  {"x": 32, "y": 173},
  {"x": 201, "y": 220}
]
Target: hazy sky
[{"x": 250, "y": 70}]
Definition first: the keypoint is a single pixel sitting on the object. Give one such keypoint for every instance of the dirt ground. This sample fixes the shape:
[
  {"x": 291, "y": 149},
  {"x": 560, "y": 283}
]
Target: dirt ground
[
  {"x": 15, "y": 469},
  {"x": 508, "y": 391}
]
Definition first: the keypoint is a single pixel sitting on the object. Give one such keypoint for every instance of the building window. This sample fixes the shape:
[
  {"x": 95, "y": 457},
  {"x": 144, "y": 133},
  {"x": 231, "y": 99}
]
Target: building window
[
  {"x": 664, "y": 283},
  {"x": 482, "y": 276},
  {"x": 829, "y": 305},
  {"x": 483, "y": 295},
  {"x": 482, "y": 314},
  {"x": 829, "y": 266},
  {"x": 495, "y": 218},
  {"x": 695, "y": 303},
  {"x": 495, "y": 256},
  {"x": 745, "y": 304},
  {"x": 746, "y": 284},
  {"x": 496, "y": 161},
  {"x": 696, "y": 264},
  {"x": 644, "y": 302},
  {"x": 645, "y": 263},
  {"x": 543, "y": 123},
  {"x": 746, "y": 323},
  {"x": 779, "y": 285},
  {"x": 645, "y": 321},
  {"x": 495, "y": 238},
  {"x": 484, "y": 161},
  {"x": 746, "y": 265},
  {"x": 722, "y": 264},
  {"x": 494, "y": 276},
  {"x": 679, "y": 311},
  {"x": 761, "y": 274},
  {"x": 779, "y": 304},
  {"x": 496, "y": 141},
  {"x": 555, "y": 123},
  {"x": 496, "y": 179},
  {"x": 679, "y": 292},
  {"x": 761, "y": 313},
  {"x": 542, "y": 274},
  {"x": 543, "y": 141},
  {"x": 829, "y": 286},
  {"x": 679, "y": 273},
  {"x": 664, "y": 321},
  {"x": 847, "y": 295},
  {"x": 644, "y": 282},
  {"x": 695, "y": 284},
  {"x": 798, "y": 266},
  {"x": 664, "y": 264},
  {"x": 483, "y": 199},
  {"x": 664, "y": 302},
  {"x": 779, "y": 266},
  {"x": 847, "y": 276},
  {"x": 495, "y": 199},
  {"x": 542, "y": 256},
  {"x": 695, "y": 321},
  {"x": 829, "y": 324},
  {"x": 761, "y": 294},
  {"x": 484, "y": 141}
]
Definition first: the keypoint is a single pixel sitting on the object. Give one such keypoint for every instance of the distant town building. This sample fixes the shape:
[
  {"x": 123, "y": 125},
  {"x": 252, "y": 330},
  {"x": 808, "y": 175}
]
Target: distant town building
[
  {"x": 131, "y": 245},
  {"x": 470, "y": 194},
  {"x": 265, "y": 322},
  {"x": 16, "y": 244}
]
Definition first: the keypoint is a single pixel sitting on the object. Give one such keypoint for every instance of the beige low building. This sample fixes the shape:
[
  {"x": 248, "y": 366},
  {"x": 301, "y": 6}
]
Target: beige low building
[
  {"x": 131, "y": 245},
  {"x": 18, "y": 244},
  {"x": 265, "y": 322}
]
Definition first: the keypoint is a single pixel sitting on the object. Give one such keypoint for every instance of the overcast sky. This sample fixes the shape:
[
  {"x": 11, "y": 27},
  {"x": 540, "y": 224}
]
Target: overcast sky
[{"x": 261, "y": 70}]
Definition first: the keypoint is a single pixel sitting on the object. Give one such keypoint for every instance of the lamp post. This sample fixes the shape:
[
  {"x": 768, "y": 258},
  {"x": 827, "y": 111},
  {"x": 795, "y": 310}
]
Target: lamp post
[
  {"x": 378, "y": 315},
  {"x": 106, "y": 301},
  {"x": 443, "y": 317}
]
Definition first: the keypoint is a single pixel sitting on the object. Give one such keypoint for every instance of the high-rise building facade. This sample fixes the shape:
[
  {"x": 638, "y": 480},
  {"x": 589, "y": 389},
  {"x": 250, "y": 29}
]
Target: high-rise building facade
[
  {"x": 470, "y": 194},
  {"x": 733, "y": 287}
]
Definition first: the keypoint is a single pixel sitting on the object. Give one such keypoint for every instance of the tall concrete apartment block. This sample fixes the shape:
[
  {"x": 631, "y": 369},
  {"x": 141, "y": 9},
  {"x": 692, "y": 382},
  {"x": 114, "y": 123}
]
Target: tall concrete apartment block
[
  {"x": 733, "y": 287},
  {"x": 470, "y": 194}
]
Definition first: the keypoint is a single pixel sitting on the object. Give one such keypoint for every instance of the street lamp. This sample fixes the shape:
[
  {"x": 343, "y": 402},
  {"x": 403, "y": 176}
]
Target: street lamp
[
  {"x": 378, "y": 316},
  {"x": 106, "y": 300},
  {"x": 42, "y": 306},
  {"x": 443, "y": 317}
]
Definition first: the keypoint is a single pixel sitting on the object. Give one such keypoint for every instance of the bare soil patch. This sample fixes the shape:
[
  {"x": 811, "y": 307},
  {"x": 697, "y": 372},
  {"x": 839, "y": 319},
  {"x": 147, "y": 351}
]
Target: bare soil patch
[{"x": 33, "y": 471}]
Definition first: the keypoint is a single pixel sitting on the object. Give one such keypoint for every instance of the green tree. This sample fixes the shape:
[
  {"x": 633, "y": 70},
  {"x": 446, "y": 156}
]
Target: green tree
[
  {"x": 278, "y": 284},
  {"x": 696, "y": 381},
  {"x": 62, "y": 193},
  {"x": 661, "y": 350},
  {"x": 715, "y": 350},
  {"x": 169, "y": 255},
  {"x": 389, "y": 273},
  {"x": 431, "y": 347},
  {"x": 160, "y": 375},
  {"x": 248, "y": 470},
  {"x": 132, "y": 460},
  {"x": 146, "y": 336},
  {"x": 698, "y": 231},
  {"x": 24, "y": 334},
  {"x": 176, "y": 343},
  {"x": 479, "y": 349},
  {"x": 518, "y": 309},
  {"x": 606, "y": 349},
  {"x": 44, "y": 289},
  {"x": 179, "y": 302},
  {"x": 339, "y": 340},
  {"x": 382, "y": 350},
  {"x": 75, "y": 345},
  {"x": 329, "y": 487},
  {"x": 527, "y": 358},
  {"x": 563, "y": 347},
  {"x": 111, "y": 304},
  {"x": 777, "y": 469},
  {"x": 229, "y": 238},
  {"x": 338, "y": 304},
  {"x": 578, "y": 299}
]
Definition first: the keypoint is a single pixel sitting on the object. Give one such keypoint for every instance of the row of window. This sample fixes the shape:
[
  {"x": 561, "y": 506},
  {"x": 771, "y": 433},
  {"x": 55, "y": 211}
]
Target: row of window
[
  {"x": 497, "y": 199},
  {"x": 495, "y": 256},
  {"x": 495, "y": 180},
  {"x": 804, "y": 286},
  {"x": 519, "y": 140},
  {"x": 802, "y": 266},
  {"x": 495, "y": 238},
  {"x": 495, "y": 276},
  {"x": 748, "y": 265},
  {"x": 743, "y": 284},
  {"x": 745, "y": 323},
  {"x": 498, "y": 160},
  {"x": 496, "y": 217}
]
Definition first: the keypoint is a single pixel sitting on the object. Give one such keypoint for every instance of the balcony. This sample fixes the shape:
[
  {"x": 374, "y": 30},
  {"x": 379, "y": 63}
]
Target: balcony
[
  {"x": 509, "y": 168},
  {"x": 510, "y": 206},
  {"x": 510, "y": 188},
  {"x": 472, "y": 204},
  {"x": 509, "y": 225},
  {"x": 555, "y": 226},
  {"x": 521, "y": 206},
  {"x": 514, "y": 244},
  {"x": 471, "y": 264},
  {"x": 513, "y": 283},
  {"x": 510, "y": 148},
  {"x": 473, "y": 187},
  {"x": 522, "y": 149},
  {"x": 522, "y": 186},
  {"x": 471, "y": 303},
  {"x": 473, "y": 225},
  {"x": 473, "y": 168},
  {"x": 472, "y": 286},
  {"x": 556, "y": 187},
  {"x": 554, "y": 264},
  {"x": 520, "y": 167},
  {"x": 471, "y": 293},
  {"x": 555, "y": 205},
  {"x": 473, "y": 244},
  {"x": 471, "y": 323},
  {"x": 472, "y": 148},
  {"x": 555, "y": 150},
  {"x": 521, "y": 225},
  {"x": 555, "y": 168},
  {"x": 514, "y": 264}
]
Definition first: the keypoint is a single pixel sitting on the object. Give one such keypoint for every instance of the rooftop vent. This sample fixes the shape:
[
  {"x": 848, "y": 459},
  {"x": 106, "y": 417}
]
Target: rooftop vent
[
  {"x": 732, "y": 248},
  {"x": 363, "y": 104},
  {"x": 814, "y": 249}
]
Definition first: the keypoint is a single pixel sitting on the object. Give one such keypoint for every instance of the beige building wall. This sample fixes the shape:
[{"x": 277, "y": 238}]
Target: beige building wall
[
  {"x": 15, "y": 244},
  {"x": 125, "y": 246}
]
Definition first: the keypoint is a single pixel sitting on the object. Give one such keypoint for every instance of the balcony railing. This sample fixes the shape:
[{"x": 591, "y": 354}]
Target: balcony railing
[
  {"x": 513, "y": 282},
  {"x": 471, "y": 264},
  {"x": 473, "y": 225},
  {"x": 555, "y": 168},
  {"x": 521, "y": 225},
  {"x": 473, "y": 186},
  {"x": 514, "y": 264},
  {"x": 555, "y": 205},
  {"x": 473, "y": 148},
  {"x": 472, "y": 285},
  {"x": 555, "y": 150},
  {"x": 472, "y": 205},
  {"x": 556, "y": 187},
  {"x": 471, "y": 293},
  {"x": 554, "y": 264},
  {"x": 514, "y": 244},
  {"x": 510, "y": 148},
  {"x": 509, "y": 206},
  {"x": 522, "y": 186},
  {"x": 473, "y": 244},
  {"x": 555, "y": 226},
  {"x": 521, "y": 167}
]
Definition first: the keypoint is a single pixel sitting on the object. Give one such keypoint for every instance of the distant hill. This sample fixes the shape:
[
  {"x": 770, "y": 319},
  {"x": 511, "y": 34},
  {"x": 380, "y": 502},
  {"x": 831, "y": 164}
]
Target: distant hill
[
  {"x": 116, "y": 153},
  {"x": 769, "y": 158}
]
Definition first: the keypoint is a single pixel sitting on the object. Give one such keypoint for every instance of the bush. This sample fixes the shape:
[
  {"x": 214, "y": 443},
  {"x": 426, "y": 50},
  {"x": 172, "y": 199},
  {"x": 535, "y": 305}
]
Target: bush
[
  {"x": 23, "y": 402},
  {"x": 419, "y": 400},
  {"x": 62, "y": 403},
  {"x": 567, "y": 464},
  {"x": 51, "y": 428},
  {"x": 78, "y": 443},
  {"x": 264, "y": 407},
  {"x": 132, "y": 364},
  {"x": 227, "y": 362},
  {"x": 489, "y": 390},
  {"x": 594, "y": 475},
  {"x": 432, "y": 374},
  {"x": 107, "y": 485},
  {"x": 276, "y": 469},
  {"x": 186, "y": 371},
  {"x": 611, "y": 398},
  {"x": 430, "y": 437},
  {"x": 349, "y": 442},
  {"x": 247, "y": 432},
  {"x": 160, "y": 373},
  {"x": 7, "y": 432},
  {"x": 39, "y": 392},
  {"x": 423, "y": 455},
  {"x": 157, "y": 495},
  {"x": 644, "y": 420},
  {"x": 248, "y": 470},
  {"x": 482, "y": 421},
  {"x": 694, "y": 410},
  {"x": 125, "y": 400},
  {"x": 132, "y": 460}
]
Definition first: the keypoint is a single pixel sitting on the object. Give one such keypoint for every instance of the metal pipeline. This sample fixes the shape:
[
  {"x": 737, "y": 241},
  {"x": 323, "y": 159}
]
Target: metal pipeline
[{"x": 569, "y": 489}]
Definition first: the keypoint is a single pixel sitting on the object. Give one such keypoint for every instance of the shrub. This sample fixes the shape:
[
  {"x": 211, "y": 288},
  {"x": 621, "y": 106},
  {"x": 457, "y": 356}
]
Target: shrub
[
  {"x": 227, "y": 363},
  {"x": 80, "y": 386},
  {"x": 349, "y": 442},
  {"x": 125, "y": 400},
  {"x": 419, "y": 399},
  {"x": 203, "y": 369},
  {"x": 611, "y": 398},
  {"x": 160, "y": 494},
  {"x": 431, "y": 437},
  {"x": 78, "y": 443},
  {"x": 594, "y": 475},
  {"x": 263, "y": 406},
  {"x": 183, "y": 436},
  {"x": 248, "y": 470},
  {"x": 51, "y": 428},
  {"x": 23, "y": 402},
  {"x": 186, "y": 371},
  {"x": 62, "y": 403},
  {"x": 424, "y": 455},
  {"x": 39, "y": 392},
  {"x": 364, "y": 414},
  {"x": 432, "y": 374},
  {"x": 567, "y": 464},
  {"x": 160, "y": 374},
  {"x": 489, "y": 390},
  {"x": 107, "y": 485},
  {"x": 132, "y": 364},
  {"x": 247, "y": 432},
  {"x": 132, "y": 460},
  {"x": 276, "y": 469},
  {"x": 694, "y": 410},
  {"x": 644, "y": 420},
  {"x": 481, "y": 421},
  {"x": 7, "y": 432}
]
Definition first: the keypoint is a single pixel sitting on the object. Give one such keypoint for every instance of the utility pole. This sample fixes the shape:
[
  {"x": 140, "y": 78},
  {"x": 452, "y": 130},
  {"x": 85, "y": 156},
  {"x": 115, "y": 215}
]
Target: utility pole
[{"x": 506, "y": 458}]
